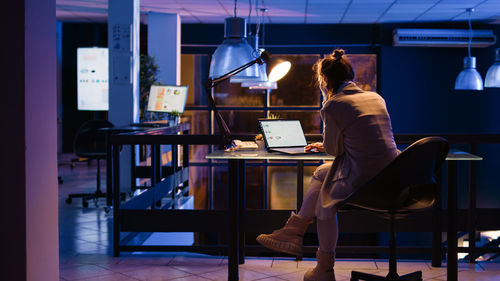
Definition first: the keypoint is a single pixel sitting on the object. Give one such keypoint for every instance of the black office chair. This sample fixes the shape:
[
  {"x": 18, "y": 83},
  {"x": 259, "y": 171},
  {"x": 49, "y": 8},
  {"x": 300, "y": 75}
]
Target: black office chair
[
  {"x": 405, "y": 186},
  {"x": 90, "y": 143}
]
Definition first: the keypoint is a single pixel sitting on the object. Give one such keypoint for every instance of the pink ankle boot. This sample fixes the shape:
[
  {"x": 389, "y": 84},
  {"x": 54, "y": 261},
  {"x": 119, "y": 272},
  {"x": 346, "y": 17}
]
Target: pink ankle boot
[
  {"x": 287, "y": 239},
  {"x": 324, "y": 268}
]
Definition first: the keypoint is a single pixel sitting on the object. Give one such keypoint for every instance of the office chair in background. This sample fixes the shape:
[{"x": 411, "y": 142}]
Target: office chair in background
[
  {"x": 90, "y": 143},
  {"x": 405, "y": 186}
]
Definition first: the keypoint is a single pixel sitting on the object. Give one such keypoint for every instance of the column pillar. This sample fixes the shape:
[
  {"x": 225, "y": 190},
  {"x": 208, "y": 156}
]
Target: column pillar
[
  {"x": 123, "y": 44},
  {"x": 124, "y": 61},
  {"x": 164, "y": 43}
]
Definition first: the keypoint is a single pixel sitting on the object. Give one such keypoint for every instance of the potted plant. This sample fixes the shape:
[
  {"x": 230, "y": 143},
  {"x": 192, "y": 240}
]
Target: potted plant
[
  {"x": 174, "y": 118},
  {"x": 148, "y": 76}
]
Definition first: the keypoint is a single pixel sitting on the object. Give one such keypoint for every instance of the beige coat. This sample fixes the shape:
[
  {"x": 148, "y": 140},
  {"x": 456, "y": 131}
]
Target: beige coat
[{"x": 357, "y": 130}]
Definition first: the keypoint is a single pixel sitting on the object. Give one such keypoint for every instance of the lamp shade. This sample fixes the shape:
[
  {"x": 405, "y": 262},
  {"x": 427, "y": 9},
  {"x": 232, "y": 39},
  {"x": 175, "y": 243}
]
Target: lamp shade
[
  {"x": 261, "y": 68},
  {"x": 233, "y": 52},
  {"x": 279, "y": 68},
  {"x": 469, "y": 78},
  {"x": 492, "y": 79}
]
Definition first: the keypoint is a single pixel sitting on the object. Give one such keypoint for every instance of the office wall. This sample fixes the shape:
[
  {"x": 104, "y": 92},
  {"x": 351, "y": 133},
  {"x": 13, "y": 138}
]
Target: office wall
[
  {"x": 29, "y": 142},
  {"x": 417, "y": 84},
  {"x": 41, "y": 141},
  {"x": 12, "y": 166}
]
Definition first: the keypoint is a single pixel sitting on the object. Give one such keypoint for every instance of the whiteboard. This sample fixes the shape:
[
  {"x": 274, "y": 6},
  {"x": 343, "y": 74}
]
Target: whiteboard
[{"x": 92, "y": 79}]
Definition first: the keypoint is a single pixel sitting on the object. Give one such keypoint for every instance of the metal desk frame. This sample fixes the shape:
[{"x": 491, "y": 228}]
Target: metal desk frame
[{"x": 236, "y": 163}]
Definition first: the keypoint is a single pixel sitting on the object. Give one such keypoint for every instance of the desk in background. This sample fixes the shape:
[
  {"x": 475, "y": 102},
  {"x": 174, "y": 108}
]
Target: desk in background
[
  {"x": 237, "y": 212},
  {"x": 141, "y": 214},
  {"x": 130, "y": 129}
]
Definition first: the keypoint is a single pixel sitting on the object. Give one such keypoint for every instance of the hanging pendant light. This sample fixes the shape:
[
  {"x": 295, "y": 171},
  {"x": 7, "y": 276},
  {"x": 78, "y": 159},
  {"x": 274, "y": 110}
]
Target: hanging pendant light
[
  {"x": 261, "y": 68},
  {"x": 234, "y": 50},
  {"x": 279, "y": 67},
  {"x": 469, "y": 78},
  {"x": 492, "y": 79}
]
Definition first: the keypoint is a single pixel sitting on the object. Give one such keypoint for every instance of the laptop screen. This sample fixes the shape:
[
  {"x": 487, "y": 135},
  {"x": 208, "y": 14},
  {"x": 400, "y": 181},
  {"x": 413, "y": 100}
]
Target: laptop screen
[{"x": 282, "y": 133}]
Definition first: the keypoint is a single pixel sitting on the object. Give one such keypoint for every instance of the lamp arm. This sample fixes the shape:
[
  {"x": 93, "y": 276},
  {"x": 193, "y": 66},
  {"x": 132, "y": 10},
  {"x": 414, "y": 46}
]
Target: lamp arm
[
  {"x": 211, "y": 83},
  {"x": 233, "y": 72},
  {"x": 226, "y": 133}
]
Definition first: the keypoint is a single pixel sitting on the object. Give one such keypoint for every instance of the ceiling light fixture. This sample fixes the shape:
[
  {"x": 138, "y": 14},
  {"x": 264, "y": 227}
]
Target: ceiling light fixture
[
  {"x": 234, "y": 50},
  {"x": 279, "y": 67},
  {"x": 469, "y": 78},
  {"x": 492, "y": 79}
]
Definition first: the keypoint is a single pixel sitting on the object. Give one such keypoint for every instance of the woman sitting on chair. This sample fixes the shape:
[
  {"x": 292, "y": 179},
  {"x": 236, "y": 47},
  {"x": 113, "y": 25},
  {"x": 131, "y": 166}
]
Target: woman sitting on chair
[{"x": 357, "y": 130}]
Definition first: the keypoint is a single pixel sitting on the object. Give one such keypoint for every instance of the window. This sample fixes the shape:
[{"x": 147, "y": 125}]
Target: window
[{"x": 269, "y": 184}]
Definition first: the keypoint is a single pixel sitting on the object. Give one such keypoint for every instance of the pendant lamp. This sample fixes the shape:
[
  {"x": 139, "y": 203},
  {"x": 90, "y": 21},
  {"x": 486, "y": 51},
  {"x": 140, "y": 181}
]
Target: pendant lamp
[
  {"x": 469, "y": 78},
  {"x": 279, "y": 67},
  {"x": 261, "y": 68},
  {"x": 234, "y": 51},
  {"x": 492, "y": 79}
]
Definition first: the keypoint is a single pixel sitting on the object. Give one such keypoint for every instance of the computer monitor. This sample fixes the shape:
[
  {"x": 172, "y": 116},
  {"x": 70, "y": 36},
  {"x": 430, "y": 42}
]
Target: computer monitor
[
  {"x": 167, "y": 98},
  {"x": 92, "y": 79}
]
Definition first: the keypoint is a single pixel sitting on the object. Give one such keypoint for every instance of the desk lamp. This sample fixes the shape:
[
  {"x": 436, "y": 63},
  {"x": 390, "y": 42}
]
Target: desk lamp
[{"x": 212, "y": 82}]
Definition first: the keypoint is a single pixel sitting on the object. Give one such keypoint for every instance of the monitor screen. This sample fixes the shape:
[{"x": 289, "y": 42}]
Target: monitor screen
[
  {"x": 165, "y": 98},
  {"x": 92, "y": 79}
]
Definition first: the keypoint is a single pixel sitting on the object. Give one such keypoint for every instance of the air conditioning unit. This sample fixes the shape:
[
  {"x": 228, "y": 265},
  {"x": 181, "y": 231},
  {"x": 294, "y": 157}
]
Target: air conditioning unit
[{"x": 411, "y": 37}]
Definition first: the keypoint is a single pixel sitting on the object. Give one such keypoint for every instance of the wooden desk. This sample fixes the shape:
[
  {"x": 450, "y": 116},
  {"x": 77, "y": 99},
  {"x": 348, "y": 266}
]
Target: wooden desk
[{"x": 236, "y": 163}]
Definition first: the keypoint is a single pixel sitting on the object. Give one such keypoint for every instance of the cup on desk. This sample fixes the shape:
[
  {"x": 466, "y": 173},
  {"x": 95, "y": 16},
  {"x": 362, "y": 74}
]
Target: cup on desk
[{"x": 261, "y": 145}]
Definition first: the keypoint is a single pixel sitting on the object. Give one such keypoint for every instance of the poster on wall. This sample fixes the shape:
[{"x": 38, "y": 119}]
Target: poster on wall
[{"x": 92, "y": 77}]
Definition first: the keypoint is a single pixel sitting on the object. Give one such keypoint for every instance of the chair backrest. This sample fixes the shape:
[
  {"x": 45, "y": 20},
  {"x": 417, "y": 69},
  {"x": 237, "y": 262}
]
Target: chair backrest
[
  {"x": 89, "y": 141},
  {"x": 407, "y": 183}
]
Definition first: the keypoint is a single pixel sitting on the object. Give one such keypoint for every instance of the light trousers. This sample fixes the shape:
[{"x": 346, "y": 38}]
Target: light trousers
[{"x": 328, "y": 230}]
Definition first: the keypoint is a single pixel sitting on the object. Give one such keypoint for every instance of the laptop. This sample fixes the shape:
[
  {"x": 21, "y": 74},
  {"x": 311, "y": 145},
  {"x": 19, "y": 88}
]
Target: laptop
[{"x": 284, "y": 136}]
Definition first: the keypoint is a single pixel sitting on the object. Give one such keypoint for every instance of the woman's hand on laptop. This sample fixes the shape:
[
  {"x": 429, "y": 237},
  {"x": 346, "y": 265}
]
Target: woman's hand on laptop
[{"x": 317, "y": 146}]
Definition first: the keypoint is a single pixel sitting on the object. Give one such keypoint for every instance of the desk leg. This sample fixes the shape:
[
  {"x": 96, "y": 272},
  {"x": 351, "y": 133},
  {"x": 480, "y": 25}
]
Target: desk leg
[
  {"x": 133, "y": 178},
  {"x": 300, "y": 190},
  {"x": 233, "y": 251},
  {"x": 436, "y": 225},
  {"x": 116, "y": 199},
  {"x": 155, "y": 173},
  {"x": 300, "y": 184},
  {"x": 242, "y": 209},
  {"x": 452, "y": 229},
  {"x": 472, "y": 207},
  {"x": 109, "y": 185}
]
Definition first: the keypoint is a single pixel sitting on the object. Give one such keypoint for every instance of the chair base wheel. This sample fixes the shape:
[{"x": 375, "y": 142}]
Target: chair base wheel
[{"x": 415, "y": 276}]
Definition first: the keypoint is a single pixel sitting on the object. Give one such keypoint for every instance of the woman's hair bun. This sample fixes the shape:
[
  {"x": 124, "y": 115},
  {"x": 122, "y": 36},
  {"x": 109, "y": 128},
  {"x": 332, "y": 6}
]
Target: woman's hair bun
[{"x": 338, "y": 53}]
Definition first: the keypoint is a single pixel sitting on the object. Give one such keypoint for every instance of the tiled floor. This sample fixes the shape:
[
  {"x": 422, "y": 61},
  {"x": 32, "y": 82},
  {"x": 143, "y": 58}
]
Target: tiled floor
[{"x": 85, "y": 251}]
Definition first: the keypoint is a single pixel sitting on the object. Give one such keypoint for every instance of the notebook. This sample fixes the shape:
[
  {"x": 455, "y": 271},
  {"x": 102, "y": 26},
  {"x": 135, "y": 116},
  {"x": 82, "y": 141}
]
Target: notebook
[{"x": 284, "y": 136}]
